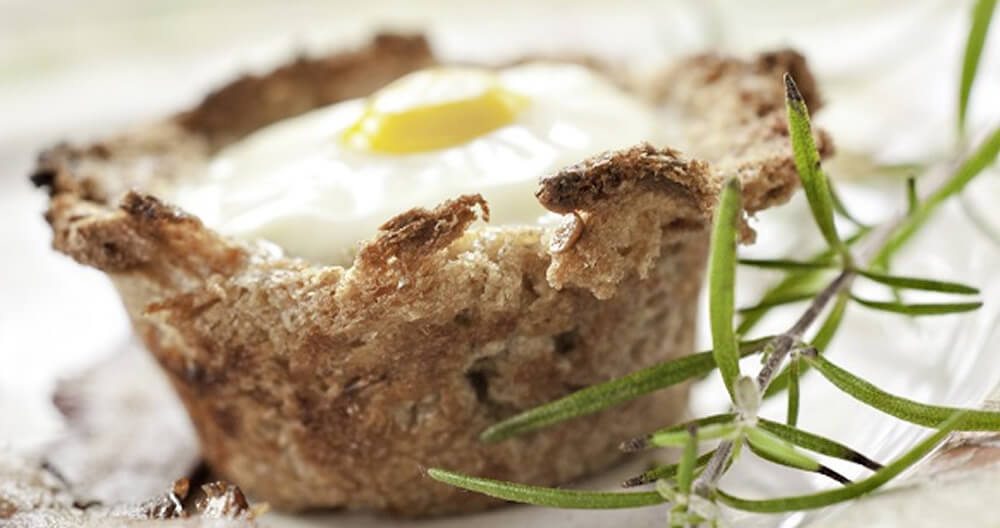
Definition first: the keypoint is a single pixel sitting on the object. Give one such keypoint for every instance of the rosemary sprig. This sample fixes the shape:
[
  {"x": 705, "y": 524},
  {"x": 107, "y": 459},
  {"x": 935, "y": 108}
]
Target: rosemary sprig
[
  {"x": 898, "y": 232},
  {"x": 691, "y": 485}
]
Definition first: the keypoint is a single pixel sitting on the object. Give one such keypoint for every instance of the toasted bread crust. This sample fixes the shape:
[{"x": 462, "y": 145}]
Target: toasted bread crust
[
  {"x": 319, "y": 386},
  {"x": 303, "y": 85}
]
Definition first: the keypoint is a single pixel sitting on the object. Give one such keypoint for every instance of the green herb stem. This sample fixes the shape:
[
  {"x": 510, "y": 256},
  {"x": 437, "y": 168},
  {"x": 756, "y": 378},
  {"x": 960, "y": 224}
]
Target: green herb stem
[
  {"x": 819, "y": 342},
  {"x": 551, "y": 497}
]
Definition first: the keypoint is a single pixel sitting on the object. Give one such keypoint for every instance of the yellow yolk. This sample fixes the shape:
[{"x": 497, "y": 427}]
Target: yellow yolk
[{"x": 434, "y": 109}]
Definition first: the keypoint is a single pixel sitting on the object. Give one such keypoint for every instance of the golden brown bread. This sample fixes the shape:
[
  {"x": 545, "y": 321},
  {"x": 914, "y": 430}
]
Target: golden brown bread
[{"x": 320, "y": 386}]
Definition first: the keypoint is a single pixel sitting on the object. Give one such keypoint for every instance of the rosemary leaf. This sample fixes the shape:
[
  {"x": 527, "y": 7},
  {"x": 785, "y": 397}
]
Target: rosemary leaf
[
  {"x": 982, "y": 13},
  {"x": 902, "y": 408},
  {"x": 819, "y": 342},
  {"x": 777, "y": 450},
  {"x": 673, "y": 438},
  {"x": 786, "y": 264},
  {"x": 552, "y": 497},
  {"x": 665, "y": 472},
  {"x": 685, "y": 468},
  {"x": 807, "y": 162},
  {"x": 849, "y": 491},
  {"x": 721, "y": 282},
  {"x": 816, "y": 443},
  {"x": 822, "y": 470},
  {"x": 778, "y": 300},
  {"x": 912, "y": 201},
  {"x": 710, "y": 432},
  {"x": 918, "y": 309},
  {"x": 612, "y": 393},
  {"x": 914, "y": 283},
  {"x": 792, "y": 416},
  {"x": 794, "y": 460},
  {"x": 983, "y": 157},
  {"x": 700, "y": 422}
]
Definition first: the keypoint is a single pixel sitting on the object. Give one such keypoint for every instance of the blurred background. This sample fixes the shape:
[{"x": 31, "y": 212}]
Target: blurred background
[{"x": 76, "y": 71}]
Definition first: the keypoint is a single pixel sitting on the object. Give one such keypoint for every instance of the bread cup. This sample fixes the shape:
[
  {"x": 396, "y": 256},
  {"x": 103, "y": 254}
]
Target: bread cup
[{"x": 316, "y": 386}]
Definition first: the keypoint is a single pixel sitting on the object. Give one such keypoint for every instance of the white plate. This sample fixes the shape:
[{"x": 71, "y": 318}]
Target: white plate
[{"x": 872, "y": 106}]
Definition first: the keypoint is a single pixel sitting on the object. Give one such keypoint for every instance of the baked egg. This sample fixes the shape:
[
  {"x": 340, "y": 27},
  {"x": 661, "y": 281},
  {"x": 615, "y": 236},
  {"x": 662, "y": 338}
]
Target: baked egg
[{"x": 318, "y": 184}]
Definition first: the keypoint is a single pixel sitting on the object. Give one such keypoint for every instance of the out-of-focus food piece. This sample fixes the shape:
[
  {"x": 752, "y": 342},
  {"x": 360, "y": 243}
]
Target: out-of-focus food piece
[{"x": 31, "y": 497}]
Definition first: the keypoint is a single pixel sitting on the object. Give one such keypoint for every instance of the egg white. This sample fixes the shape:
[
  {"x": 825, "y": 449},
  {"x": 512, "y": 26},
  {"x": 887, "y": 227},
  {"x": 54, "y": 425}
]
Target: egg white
[{"x": 298, "y": 186}]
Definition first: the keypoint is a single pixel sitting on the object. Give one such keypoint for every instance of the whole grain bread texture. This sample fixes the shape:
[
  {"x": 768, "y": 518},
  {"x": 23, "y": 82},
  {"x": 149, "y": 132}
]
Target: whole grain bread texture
[{"x": 315, "y": 386}]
